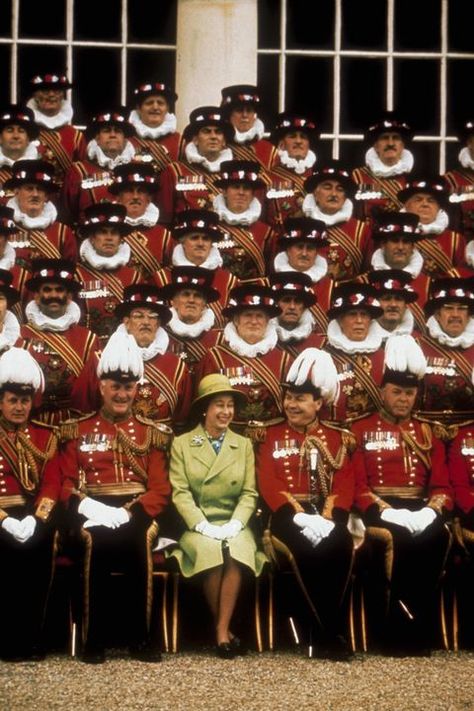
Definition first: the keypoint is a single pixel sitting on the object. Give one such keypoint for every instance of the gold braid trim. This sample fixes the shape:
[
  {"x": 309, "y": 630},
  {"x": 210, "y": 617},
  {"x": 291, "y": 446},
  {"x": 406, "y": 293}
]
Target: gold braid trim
[
  {"x": 325, "y": 462},
  {"x": 123, "y": 443},
  {"x": 69, "y": 429},
  {"x": 29, "y": 456},
  {"x": 161, "y": 434},
  {"x": 421, "y": 449}
]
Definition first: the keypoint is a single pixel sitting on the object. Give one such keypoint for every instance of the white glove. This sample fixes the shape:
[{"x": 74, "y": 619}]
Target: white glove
[
  {"x": 210, "y": 530},
  {"x": 14, "y": 527},
  {"x": 102, "y": 515},
  {"x": 232, "y": 528},
  {"x": 311, "y": 536},
  {"x": 28, "y": 526},
  {"x": 402, "y": 517},
  {"x": 422, "y": 519},
  {"x": 90, "y": 508},
  {"x": 317, "y": 523}
]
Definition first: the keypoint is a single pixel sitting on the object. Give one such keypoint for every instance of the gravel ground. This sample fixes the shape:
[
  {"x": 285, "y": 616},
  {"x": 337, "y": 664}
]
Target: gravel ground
[{"x": 194, "y": 681}]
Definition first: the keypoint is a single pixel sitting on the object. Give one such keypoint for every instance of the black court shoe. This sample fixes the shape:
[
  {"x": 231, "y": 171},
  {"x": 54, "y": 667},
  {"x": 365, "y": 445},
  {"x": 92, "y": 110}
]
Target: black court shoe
[
  {"x": 238, "y": 646},
  {"x": 225, "y": 650}
]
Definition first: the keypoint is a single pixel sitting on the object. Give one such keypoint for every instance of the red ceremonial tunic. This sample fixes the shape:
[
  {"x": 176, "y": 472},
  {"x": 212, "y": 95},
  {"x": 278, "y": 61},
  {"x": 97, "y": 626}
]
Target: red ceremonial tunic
[
  {"x": 55, "y": 242},
  {"x": 85, "y": 183},
  {"x": 376, "y": 192},
  {"x": 285, "y": 194},
  {"x": 349, "y": 243},
  {"x": 461, "y": 468},
  {"x": 185, "y": 186},
  {"x": 246, "y": 251},
  {"x": 63, "y": 146},
  {"x": 461, "y": 183}
]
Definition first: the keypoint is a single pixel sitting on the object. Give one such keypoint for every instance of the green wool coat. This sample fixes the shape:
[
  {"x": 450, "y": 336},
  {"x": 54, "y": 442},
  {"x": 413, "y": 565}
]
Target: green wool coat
[{"x": 217, "y": 488}]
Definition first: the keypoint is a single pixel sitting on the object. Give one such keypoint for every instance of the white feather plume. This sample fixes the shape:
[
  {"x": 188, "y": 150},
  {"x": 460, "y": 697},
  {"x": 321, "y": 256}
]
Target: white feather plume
[
  {"x": 18, "y": 366},
  {"x": 318, "y": 366},
  {"x": 121, "y": 354},
  {"x": 402, "y": 353}
]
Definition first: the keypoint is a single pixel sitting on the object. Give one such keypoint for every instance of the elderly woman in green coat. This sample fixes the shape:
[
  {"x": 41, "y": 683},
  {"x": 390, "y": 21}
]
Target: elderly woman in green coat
[{"x": 212, "y": 473}]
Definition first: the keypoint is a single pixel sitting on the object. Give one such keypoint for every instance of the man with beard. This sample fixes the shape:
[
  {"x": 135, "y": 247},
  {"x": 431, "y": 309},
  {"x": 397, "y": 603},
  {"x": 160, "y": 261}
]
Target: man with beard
[
  {"x": 29, "y": 488},
  {"x": 330, "y": 192},
  {"x": 165, "y": 390},
  {"x": 53, "y": 114},
  {"x": 442, "y": 249},
  {"x": 388, "y": 161},
  {"x": 294, "y": 297},
  {"x": 447, "y": 395},
  {"x": 54, "y": 337},
  {"x": 189, "y": 184},
  {"x": 39, "y": 234},
  {"x": 18, "y": 134},
  {"x": 115, "y": 485},
  {"x": 134, "y": 185},
  {"x": 294, "y": 136},
  {"x": 155, "y": 123},
  {"x": 461, "y": 181},
  {"x": 192, "y": 328},
  {"x": 241, "y": 103},
  {"x": 403, "y": 494},
  {"x": 87, "y": 181},
  {"x": 394, "y": 293}
]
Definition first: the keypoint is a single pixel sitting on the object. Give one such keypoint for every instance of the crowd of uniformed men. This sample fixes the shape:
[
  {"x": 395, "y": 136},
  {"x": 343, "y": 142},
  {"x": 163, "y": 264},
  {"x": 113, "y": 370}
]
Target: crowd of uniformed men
[{"x": 338, "y": 299}]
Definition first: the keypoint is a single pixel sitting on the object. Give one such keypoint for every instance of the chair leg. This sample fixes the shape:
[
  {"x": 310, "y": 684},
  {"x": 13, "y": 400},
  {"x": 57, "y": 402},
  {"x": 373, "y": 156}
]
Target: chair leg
[
  {"x": 258, "y": 625},
  {"x": 174, "y": 618},
  {"x": 271, "y": 612}
]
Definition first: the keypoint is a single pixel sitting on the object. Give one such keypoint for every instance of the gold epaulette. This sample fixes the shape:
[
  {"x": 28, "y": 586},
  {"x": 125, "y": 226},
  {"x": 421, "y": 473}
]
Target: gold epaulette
[
  {"x": 46, "y": 425},
  {"x": 69, "y": 429},
  {"x": 445, "y": 433},
  {"x": 348, "y": 438},
  {"x": 161, "y": 434},
  {"x": 256, "y": 430}
]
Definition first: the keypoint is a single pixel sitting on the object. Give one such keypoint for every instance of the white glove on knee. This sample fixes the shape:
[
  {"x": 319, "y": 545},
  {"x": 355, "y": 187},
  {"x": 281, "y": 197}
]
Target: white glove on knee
[
  {"x": 311, "y": 536},
  {"x": 13, "y": 527},
  {"x": 209, "y": 530},
  {"x": 28, "y": 526},
  {"x": 102, "y": 515},
  {"x": 402, "y": 517},
  {"x": 317, "y": 523},
  {"x": 422, "y": 519},
  {"x": 232, "y": 528}
]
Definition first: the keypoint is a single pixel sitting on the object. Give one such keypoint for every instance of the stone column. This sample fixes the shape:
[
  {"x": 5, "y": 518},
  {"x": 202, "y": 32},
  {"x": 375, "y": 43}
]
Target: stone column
[{"x": 216, "y": 47}]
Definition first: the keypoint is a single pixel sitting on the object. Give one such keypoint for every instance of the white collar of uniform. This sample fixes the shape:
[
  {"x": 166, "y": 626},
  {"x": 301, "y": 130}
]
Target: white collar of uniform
[
  {"x": 251, "y": 215},
  {"x": 45, "y": 323},
  {"x": 298, "y": 165},
  {"x": 158, "y": 346},
  {"x": 48, "y": 215},
  {"x": 191, "y": 330},
  {"x": 375, "y": 165},
  {"x": 469, "y": 253},
  {"x": 213, "y": 261},
  {"x": 405, "y": 327},
  {"x": 369, "y": 345},
  {"x": 300, "y": 332},
  {"x": 149, "y": 218},
  {"x": 465, "y": 340},
  {"x": 144, "y": 131},
  {"x": 439, "y": 224},
  {"x": 310, "y": 209},
  {"x": 95, "y": 153},
  {"x": 192, "y": 156},
  {"x": 9, "y": 257},
  {"x": 90, "y": 257},
  {"x": 465, "y": 158},
  {"x": 414, "y": 266},
  {"x": 31, "y": 153},
  {"x": 62, "y": 118},
  {"x": 255, "y": 131},
  {"x": 250, "y": 350},
  {"x": 10, "y": 331},
  {"x": 316, "y": 272}
]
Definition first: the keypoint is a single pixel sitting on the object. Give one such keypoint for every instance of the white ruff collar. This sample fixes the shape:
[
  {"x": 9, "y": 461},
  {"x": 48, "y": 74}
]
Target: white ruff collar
[
  {"x": 213, "y": 261},
  {"x": 469, "y": 253},
  {"x": 316, "y": 272},
  {"x": 9, "y": 256},
  {"x": 41, "y": 222},
  {"x": 256, "y": 131},
  {"x": 62, "y": 118},
  {"x": 414, "y": 266},
  {"x": 298, "y": 165},
  {"x": 90, "y": 257},
  {"x": 45, "y": 323},
  {"x": 149, "y": 218},
  {"x": 10, "y": 331},
  {"x": 375, "y": 165},
  {"x": 465, "y": 340},
  {"x": 250, "y": 350},
  {"x": 251, "y": 215},
  {"x": 369, "y": 345},
  {"x": 300, "y": 332},
  {"x": 439, "y": 224},
  {"x": 191, "y": 330},
  {"x": 31, "y": 153},
  {"x": 465, "y": 158},
  {"x": 95, "y": 153},
  {"x": 157, "y": 347},
  {"x": 144, "y": 131},
  {"x": 310, "y": 209},
  {"x": 406, "y": 326},
  {"x": 192, "y": 156}
]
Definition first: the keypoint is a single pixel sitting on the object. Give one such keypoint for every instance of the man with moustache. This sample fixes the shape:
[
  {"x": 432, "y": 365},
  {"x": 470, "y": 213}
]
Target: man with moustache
[
  {"x": 329, "y": 197},
  {"x": 388, "y": 162},
  {"x": 115, "y": 485},
  {"x": 447, "y": 395},
  {"x": 39, "y": 234},
  {"x": 54, "y": 337}
]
